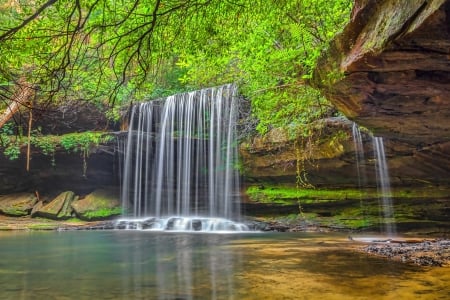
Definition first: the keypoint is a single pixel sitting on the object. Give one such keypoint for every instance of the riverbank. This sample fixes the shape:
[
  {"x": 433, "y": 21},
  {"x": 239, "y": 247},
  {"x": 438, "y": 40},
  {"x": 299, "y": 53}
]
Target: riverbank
[{"x": 435, "y": 253}]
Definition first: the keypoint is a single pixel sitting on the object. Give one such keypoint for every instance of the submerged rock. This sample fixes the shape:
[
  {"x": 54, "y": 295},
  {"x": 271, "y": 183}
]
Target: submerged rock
[
  {"x": 100, "y": 204},
  {"x": 19, "y": 204}
]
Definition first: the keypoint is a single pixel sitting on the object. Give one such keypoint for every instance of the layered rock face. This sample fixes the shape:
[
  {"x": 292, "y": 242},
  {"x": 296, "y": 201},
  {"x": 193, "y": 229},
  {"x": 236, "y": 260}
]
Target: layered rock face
[
  {"x": 327, "y": 158},
  {"x": 389, "y": 70}
]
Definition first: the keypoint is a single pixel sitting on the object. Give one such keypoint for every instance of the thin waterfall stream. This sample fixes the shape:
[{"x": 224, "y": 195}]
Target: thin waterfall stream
[
  {"x": 179, "y": 166},
  {"x": 384, "y": 187},
  {"x": 382, "y": 178}
]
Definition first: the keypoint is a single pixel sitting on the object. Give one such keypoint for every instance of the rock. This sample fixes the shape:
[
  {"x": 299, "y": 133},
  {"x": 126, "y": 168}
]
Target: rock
[
  {"x": 100, "y": 204},
  {"x": 36, "y": 208},
  {"x": 58, "y": 208},
  {"x": 389, "y": 70},
  {"x": 19, "y": 204},
  {"x": 64, "y": 175},
  {"x": 425, "y": 253},
  {"x": 327, "y": 155}
]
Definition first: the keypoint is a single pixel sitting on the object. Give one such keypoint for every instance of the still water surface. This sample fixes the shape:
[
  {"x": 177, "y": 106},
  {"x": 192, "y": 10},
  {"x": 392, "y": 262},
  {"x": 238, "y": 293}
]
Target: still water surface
[{"x": 149, "y": 265}]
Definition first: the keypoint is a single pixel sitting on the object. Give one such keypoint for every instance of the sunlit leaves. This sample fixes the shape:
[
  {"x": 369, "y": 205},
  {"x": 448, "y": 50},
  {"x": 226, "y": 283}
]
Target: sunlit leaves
[{"x": 123, "y": 50}]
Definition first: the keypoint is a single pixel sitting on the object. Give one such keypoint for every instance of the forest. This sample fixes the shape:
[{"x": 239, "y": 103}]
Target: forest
[
  {"x": 224, "y": 149},
  {"x": 112, "y": 53}
]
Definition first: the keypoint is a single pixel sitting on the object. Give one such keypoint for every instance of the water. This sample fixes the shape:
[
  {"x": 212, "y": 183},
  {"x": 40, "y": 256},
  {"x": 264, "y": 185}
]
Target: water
[
  {"x": 360, "y": 157},
  {"x": 384, "y": 187},
  {"x": 158, "y": 265},
  {"x": 181, "y": 156},
  {"x": 382, "y": 177},
  {"x": 177, "y": 223}
]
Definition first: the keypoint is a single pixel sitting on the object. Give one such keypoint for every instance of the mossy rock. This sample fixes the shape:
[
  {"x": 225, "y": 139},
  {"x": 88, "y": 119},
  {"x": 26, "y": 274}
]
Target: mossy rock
[
  {"x": 100, "y": 204},
  {"x": 19, "y": 204},
  {"x": 58, "y": 208}
]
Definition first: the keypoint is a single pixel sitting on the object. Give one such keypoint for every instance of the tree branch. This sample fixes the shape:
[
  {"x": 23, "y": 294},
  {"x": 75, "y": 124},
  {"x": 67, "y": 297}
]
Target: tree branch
[{"x": 24, "y": 23}]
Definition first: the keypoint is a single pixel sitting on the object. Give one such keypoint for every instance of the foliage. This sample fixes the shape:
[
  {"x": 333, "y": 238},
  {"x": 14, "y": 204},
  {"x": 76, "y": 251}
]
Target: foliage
[
  {"x": 272, "y": 59},
  {"x": 9, "y": 143},
  {"x": 128, "y": 50},
  {"x": 81, "y": 142}
]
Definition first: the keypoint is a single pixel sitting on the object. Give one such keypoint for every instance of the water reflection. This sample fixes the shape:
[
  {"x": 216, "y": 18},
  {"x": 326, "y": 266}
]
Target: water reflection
[
  {"x": 178, "y": 266},
  {"x": 116, "y": 265},
  {"x": 148, "y": 265}
]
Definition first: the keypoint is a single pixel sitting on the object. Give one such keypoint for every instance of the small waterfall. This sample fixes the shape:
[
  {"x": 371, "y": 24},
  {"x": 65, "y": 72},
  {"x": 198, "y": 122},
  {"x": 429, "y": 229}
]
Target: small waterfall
[
  {"x": 382, "y": 177},
  {"x": 180, "y": 160},
  {"x": 384, "y": 186},
  {"x": 360, "y": 157}
]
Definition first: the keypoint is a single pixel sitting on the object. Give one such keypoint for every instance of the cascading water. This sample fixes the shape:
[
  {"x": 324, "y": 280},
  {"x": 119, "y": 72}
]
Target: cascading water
[
  {"x": 382, "y": 177},
  {"x": 360, "y": 157},
  {"x": 179, "y": 163},
  {"x": 384, "y": 186}
]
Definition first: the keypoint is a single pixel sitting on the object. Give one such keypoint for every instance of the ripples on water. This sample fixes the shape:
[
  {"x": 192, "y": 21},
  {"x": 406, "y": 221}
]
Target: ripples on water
[{"x": 155, "y": 265}]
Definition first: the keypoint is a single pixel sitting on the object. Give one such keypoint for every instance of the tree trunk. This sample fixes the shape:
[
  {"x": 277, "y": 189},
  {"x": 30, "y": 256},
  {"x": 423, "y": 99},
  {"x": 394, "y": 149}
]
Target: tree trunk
[{"x": 23, "y": 93}]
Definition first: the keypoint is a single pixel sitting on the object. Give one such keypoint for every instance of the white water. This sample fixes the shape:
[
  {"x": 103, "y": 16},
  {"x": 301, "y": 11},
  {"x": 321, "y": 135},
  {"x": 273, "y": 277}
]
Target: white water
[
  {"x": 360, "y": 157},
  {"x": 177, "y": 223},
  {"x": 180, "y": 158},
  {"x": 384, "y": 186},
  {"x": 382, "y": 177}
]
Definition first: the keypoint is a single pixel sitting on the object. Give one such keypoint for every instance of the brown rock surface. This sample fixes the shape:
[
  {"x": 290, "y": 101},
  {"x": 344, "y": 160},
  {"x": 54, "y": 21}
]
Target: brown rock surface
[
  {"x": 58, "y": 208},
  {"x": 19, "y": 204},
  {"x": 100, "y": 204},
  {"x": 389, "y": 70}
]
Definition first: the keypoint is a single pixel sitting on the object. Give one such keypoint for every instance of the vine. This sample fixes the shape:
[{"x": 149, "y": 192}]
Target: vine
[{"x": 82, "y": 142}]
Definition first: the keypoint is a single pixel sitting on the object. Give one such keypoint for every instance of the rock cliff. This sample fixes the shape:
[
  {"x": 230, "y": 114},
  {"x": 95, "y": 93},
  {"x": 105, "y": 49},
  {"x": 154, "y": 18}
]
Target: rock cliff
[{"x": 389, "y": 70}]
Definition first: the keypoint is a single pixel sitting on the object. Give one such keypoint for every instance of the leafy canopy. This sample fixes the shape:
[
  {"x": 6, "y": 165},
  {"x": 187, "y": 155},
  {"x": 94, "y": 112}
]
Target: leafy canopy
[{"x": 122, "y": 50}]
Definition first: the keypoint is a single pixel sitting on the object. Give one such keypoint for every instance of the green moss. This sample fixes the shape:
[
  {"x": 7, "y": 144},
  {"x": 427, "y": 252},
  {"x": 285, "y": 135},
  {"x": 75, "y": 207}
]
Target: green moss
[
  {"x": 74, "y": 220},
  {"x": 291, "y": 195},
  {"x": 15, "y": 212},
  {"x": 103, "y": 213}
]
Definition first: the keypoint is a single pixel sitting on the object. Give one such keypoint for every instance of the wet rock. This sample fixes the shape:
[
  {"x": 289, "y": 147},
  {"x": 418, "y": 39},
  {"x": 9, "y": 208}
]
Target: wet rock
[
  {"x": 19, "y": 204},
  {"x": 100, "y": 204}
]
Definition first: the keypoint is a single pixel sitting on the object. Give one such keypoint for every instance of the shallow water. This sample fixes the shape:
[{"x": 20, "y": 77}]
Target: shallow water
[{"x": 152, "y": 265}]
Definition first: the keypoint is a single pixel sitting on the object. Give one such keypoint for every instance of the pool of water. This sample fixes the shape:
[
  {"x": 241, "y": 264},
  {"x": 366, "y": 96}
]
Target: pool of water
[{"x": 157, "y": 265}]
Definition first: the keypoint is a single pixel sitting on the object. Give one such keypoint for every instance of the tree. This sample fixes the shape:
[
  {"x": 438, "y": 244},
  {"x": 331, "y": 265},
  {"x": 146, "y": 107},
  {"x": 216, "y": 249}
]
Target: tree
[{"x": 111, "y": 51}]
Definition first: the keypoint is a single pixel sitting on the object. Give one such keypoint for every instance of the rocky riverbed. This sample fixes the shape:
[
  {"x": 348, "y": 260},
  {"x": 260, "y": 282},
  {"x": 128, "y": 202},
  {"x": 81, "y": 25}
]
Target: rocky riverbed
[{"x": 424, "y": 253}]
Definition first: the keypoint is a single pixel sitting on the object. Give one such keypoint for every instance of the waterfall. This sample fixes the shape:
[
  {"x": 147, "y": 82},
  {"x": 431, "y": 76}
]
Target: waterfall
[
  {"x": 384, "y": 186},
  {"x": 382, "y": 177},
  {"x": 360, "y": 157},
  {"x": 180, "y": 160}
]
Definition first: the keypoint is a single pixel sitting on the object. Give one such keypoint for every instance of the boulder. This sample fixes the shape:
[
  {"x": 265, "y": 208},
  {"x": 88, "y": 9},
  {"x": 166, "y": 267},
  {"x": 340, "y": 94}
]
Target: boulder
[
  {"x": 36, "y": 208},
  {"x": 100, "y": 204},
  {"x": 19, "y": 204},
  {"x": 58, "y": 208}
]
